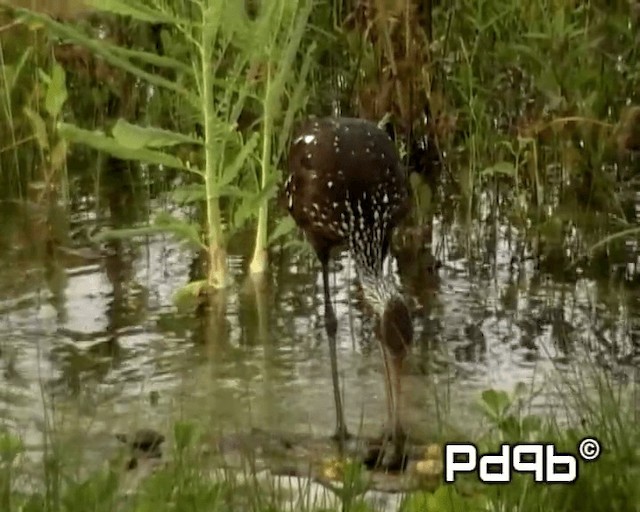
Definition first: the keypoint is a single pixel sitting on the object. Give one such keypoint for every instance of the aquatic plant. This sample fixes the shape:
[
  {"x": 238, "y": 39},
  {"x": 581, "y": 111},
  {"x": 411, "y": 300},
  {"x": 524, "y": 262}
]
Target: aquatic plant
[{"x": 238, "y": 60}]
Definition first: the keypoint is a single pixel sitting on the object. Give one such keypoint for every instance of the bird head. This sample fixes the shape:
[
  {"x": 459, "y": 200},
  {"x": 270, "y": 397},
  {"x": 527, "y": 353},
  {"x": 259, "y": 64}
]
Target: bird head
[
  {"x": 394, "y": 324},
  {"x": 395, "y": 327}
]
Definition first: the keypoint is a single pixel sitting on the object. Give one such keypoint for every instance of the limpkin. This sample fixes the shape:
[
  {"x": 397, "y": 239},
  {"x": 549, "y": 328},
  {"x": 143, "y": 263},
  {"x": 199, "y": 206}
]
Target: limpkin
[{"x": 346, "y": 187}]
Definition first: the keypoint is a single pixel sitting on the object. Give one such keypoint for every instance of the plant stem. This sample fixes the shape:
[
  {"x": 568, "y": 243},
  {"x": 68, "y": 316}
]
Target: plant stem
[
  {"x": 260, "y": 259},
  {"x": 217, "y": 277}
]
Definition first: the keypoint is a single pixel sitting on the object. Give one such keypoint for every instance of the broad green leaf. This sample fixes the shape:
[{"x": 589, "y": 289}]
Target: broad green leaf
[
  {"x": 58, "y": 155},
  {"x": 231, "y": 191},
  {"x": 10, "y": 446},
  {"x": 257, "y": 198},
  {"x": 423, "y": 192},
  {"x": 135, "y": 10},
  {"x": 510, "y": 428},
  {"x": 416, "y": 502},
  {"x": 163, "y": 223},
  {"x": 56, "y": 91},
  {"x": 504, "y": 168},
  {"x": 8, "y": 77},
  {"x": 249, "y": 207},
  {"x": 244, "y": 211},
  {"x": 495, "y": 403},
  {"x": 151, "y": 58},
  {"x": 98, "y": 140},
  {"x": 538, "y": 35},
  {"x": 531, "y": 425},
  {"x": 187, "y": 296},
  {"x": 415, "y": 180},
  {"x": 446, "y": 499},
  {"x": 39, "y": 127},
  {"x": 189, "y": 193},
  {"x": 547, "y": 83},
  {"x": 559, "y": 25},
  {"x": 180, "y": 228},
  {"x": 285, "y": 226},
  {"x": 235, "y": 22},
  {"x": 43, "y": 77},
  {"x": 137, "y": 137},
  {"x": 232, "y": 171}
]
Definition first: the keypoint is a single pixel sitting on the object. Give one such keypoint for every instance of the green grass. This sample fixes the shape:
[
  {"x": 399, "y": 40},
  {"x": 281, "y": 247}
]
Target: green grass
[
  {"x": 190, "y": 479},
  {"x": 525, "y": 100}
]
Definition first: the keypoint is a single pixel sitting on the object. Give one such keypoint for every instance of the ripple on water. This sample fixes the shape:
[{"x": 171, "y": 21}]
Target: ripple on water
[{"x": 101, "y": 340}]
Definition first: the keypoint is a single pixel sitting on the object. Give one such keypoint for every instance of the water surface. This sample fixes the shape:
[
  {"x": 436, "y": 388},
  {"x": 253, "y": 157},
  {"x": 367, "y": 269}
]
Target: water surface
[{"x": 92, "y": 343}]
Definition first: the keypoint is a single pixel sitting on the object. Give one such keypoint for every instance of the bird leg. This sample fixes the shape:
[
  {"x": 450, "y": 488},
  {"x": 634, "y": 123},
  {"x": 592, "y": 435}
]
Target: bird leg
[
  {"x": 331, "y": 324},
  {"x": 390, "y": 453},
  {"x": 398, "y": 436}
]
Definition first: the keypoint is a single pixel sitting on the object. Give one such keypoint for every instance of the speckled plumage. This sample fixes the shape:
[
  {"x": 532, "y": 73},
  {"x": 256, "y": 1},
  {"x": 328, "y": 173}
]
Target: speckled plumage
[{"x": 346, "y": 187}]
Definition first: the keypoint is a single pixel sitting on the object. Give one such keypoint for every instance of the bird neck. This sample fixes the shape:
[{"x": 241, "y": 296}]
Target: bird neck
[
  {"x": 379, "y": 290},
  {"x": 367, "y": 241}
]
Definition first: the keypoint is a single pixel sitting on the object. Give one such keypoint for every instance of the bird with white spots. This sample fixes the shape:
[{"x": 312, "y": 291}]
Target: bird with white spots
[{"x": 346, "y": 187}]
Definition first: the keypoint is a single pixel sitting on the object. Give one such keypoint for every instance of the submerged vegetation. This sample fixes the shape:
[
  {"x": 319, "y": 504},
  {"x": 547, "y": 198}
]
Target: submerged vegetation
[{"x": 504, "y": 111}]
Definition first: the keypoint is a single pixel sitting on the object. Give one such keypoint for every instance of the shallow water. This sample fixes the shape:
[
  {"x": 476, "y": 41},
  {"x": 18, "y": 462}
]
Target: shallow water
[{"x": 93, "y": 345}]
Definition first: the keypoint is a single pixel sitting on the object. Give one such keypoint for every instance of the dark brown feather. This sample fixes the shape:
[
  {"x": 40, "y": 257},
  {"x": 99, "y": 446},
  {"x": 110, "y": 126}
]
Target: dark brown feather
[{"x": 336, "y": 165}]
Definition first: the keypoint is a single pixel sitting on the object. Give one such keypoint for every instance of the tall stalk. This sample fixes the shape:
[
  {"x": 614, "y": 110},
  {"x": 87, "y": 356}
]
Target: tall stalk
[
  {"x": 217, "y": 274},
  {"x": 260, "y": 260},
  {"x": 287, "y": 21}
]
